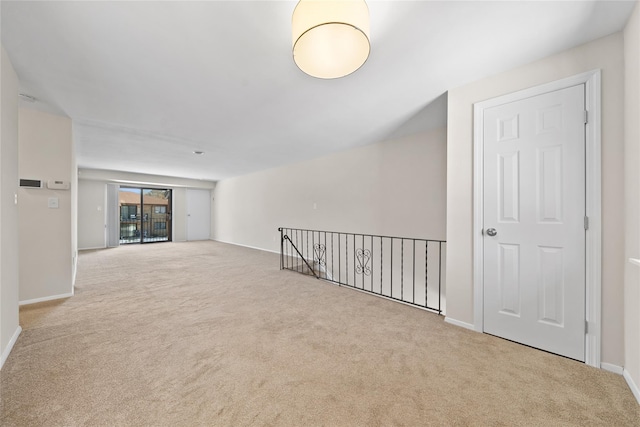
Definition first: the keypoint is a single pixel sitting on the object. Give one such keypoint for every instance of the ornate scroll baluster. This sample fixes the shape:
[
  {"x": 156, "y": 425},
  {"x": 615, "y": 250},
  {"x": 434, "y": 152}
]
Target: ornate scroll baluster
[
  {"x": 363, "y": 256},
  {"x": 319, "y": 254}
]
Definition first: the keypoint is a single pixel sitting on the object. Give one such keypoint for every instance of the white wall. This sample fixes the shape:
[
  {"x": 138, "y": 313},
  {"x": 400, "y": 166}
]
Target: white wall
[
  {"x": 606, "y": 54},
  {"x": 92, "y": 193},
  {"x": 46, "y": 247},
  {"x": 394, "y": 188},
  {"x": 9, "y": 328},
  {"x": 632, "y": 196}
]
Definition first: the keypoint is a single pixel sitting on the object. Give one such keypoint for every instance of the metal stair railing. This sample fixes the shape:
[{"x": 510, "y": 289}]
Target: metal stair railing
[
  {"x": 299, "y": 254},
  {"x": 407, "y": 270}
]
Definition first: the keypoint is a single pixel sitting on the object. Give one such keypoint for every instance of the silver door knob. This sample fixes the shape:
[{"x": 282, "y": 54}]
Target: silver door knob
[{"x": 491, "y": 232}]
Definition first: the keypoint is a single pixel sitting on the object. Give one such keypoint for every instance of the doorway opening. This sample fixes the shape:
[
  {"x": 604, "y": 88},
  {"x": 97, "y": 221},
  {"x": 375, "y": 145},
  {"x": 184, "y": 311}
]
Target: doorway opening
[{"x": 145, "y": 215}]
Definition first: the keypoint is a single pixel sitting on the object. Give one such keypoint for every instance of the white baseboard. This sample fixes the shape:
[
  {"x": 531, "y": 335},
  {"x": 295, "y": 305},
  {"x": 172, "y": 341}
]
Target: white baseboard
[
  {"x": 10, "y": 345},
  {"x": 43, "y": 299},
  {"x": 610, "y": 367},
  {"x": 246, "y": 246},
  {"x": 92, "y": 248},
  {"x": 632, "y": 385},
  {"x": 460, "y": 323}
]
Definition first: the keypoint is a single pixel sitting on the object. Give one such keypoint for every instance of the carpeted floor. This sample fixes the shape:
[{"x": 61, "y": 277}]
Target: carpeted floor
[{"x": 202, "y": 333}]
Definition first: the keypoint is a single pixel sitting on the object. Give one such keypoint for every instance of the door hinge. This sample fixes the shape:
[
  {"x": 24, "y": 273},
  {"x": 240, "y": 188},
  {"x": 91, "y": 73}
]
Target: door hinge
[
  {"x": 586, "y": 117},
  {"x": 586, "y": 222},
  {"x": 586, "y": 326}
]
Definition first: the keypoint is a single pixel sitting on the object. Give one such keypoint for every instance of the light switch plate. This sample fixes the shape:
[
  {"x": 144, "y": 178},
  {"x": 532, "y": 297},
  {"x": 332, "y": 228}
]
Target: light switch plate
[{"x": 53, "y": 203}]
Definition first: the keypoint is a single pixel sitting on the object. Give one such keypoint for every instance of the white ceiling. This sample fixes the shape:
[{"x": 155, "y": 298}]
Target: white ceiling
[{"x": 147, "y": 83}]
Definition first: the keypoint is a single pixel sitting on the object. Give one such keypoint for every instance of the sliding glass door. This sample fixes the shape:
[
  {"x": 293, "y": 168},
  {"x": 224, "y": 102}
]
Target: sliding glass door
[{"x": 145, "y": 215}]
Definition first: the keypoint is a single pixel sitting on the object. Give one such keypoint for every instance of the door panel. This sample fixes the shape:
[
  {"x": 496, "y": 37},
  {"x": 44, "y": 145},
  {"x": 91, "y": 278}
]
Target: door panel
[
  {"x": 156, "y": 215},
  {"x": 510, "y": 279},
  {"x": 198, "y": 215},
  {"x": 549, "y": 204},
  {"x": 534, "y": 197},
  {"x": 551, "y": 291},
  {"x": 509, "y": 195}
]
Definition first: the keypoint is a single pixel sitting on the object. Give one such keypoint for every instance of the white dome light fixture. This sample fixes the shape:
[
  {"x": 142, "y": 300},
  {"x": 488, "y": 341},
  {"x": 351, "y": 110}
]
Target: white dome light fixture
[{"x": 330, "y": 37}]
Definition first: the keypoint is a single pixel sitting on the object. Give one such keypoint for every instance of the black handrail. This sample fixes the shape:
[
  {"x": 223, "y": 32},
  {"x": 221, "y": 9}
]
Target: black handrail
[
  {"x": 305, "y": 261},
  {"x": 409, "y": 271}
]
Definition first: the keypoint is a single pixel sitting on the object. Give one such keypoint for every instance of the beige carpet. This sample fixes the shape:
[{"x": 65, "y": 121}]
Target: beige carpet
[{"x": 188, "y": 334}]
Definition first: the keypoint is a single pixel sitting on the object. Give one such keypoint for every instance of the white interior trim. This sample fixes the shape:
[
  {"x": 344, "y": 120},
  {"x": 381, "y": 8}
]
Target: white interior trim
[
  {"x": 594, "y": 212},
  {"x": 43, "y": 299},
  {"x": 632, "y": 385},
  {"x": 459, "y": 323},
  {"x": 75, "y": 269},
  {"x": 591, "y": 80},
  {"x": 634, "y": 261},
  {"x": 105, "y": 217},
  {"x": 92, "y": 249},
  {"x": 610, "y": 367},
  {"x": 246, "y": 246},
  {"x": 12, "y": 342}
]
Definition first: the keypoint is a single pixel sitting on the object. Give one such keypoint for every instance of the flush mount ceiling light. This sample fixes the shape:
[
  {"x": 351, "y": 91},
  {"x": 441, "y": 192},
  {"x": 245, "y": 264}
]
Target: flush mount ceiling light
[{"x": 330, "y": 37}]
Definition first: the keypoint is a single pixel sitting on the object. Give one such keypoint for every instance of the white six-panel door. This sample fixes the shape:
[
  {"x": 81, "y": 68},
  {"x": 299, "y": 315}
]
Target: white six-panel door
[{"x": 534, "y": 221}]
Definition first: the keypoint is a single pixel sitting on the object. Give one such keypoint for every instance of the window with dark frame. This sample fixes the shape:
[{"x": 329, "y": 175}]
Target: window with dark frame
[{"x": 128, "y": 212}]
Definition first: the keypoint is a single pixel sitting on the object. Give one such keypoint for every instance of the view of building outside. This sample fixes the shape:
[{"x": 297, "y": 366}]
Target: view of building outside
[{"x": 144, "y": 219}]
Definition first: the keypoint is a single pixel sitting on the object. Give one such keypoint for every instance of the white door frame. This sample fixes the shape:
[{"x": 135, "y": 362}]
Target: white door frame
[{"x": 591, "y": 79}]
